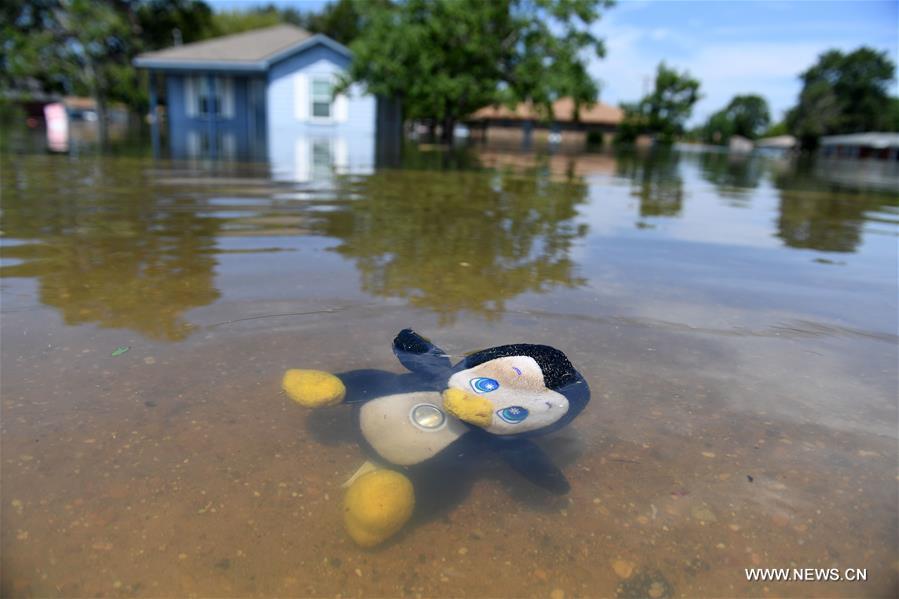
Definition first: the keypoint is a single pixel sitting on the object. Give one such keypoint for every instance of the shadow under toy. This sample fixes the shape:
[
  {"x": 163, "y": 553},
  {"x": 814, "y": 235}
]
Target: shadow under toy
[{"x": 425, "y": 425}]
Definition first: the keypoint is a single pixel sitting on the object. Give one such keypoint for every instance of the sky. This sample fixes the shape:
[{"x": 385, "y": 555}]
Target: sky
[{"x": 731, "y": 46}]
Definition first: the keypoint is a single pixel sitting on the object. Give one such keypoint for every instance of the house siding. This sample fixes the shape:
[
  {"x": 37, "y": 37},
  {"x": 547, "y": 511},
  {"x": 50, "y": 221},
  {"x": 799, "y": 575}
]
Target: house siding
[
  {"x": 295, "y": 145},
  {"x": 238, "y": 136},
  {"x": 318, "y": 60}
]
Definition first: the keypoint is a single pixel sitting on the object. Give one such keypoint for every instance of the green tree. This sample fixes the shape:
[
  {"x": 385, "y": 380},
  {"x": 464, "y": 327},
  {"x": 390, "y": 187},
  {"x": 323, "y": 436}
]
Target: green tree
[
  {"x": 776, "y": 129},
  {"x": 162, "y": 20},
  {"x": 228, "y": 22},
  {"x": 893, "y": 115},
  {"x": 74, "y": 46},
  {"x": 843, "y": 93},
  {"x": 663, "y": 112},
  {"x": 747, "y": 116},
  {"x": 85, "y": 47},
  {"x": 23, "y": 33},
  {"x": 444, "y": 59},
  {"x": 340, "y": 20},
  {"x": 718, "y": 129}
]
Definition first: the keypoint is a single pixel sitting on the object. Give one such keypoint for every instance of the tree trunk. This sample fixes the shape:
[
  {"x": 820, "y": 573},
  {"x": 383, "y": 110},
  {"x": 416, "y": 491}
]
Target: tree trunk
[
  {"x": 449, "y": 127},
  {"x": 102, "y": 129},
  {"x": 100, "y": 100}
]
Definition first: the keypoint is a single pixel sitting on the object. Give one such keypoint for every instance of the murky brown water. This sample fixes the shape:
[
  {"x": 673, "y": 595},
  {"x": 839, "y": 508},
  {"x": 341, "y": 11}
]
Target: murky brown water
[{"x": 736, "y": 320}]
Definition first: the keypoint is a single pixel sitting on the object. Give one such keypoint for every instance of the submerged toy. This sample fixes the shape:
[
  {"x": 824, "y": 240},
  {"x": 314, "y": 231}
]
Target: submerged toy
[{"x": 421, "y": 428}]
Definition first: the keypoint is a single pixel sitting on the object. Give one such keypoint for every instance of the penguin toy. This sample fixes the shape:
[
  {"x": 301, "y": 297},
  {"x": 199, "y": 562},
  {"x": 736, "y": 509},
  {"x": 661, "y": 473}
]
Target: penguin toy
[{"x": 424, "y": 429}]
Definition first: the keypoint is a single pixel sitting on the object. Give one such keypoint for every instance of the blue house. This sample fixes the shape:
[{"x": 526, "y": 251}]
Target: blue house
[{"x": 266, "y": 94}]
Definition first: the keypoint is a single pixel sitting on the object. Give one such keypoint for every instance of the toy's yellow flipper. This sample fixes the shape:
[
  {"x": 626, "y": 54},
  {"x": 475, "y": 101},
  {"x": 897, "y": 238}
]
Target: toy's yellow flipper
[
  {"x": 313, "y": 388},
  {"x": 377, "y": 505}
]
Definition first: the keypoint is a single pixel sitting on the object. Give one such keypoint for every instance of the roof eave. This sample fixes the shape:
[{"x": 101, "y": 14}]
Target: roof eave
[
  {"x": 224, "y": 65},
  {"x": 523, "y": 119},
  {"x": 199, "y": 65}
]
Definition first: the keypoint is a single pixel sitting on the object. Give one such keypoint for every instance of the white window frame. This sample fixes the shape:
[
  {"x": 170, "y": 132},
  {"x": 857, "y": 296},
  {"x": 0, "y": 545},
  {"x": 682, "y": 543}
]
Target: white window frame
[{"x": 313, "y": 79}]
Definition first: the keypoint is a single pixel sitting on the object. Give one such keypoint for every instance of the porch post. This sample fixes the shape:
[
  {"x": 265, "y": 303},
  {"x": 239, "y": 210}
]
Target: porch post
[
  {"x": 212, "y": 109},
  {"x": 154, "y": 116}
]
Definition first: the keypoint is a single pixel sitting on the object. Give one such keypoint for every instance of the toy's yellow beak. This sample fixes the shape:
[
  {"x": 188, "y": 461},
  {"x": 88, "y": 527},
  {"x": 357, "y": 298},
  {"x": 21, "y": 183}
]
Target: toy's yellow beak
[{"x": 468, "y": 407}]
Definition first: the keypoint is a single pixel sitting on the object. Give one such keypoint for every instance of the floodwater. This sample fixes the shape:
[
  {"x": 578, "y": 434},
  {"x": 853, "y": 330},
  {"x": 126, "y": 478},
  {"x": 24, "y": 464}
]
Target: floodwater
[{"x": 735, "y": 318}]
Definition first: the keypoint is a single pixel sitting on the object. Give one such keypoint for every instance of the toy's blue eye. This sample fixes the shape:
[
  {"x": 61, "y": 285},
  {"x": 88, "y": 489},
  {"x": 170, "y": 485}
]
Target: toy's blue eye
[
  {"x": 513, "y": 414},
  {"x": 482, "y": 384}
]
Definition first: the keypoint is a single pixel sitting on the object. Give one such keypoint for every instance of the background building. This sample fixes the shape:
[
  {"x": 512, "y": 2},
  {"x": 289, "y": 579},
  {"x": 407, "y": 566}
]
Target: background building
[{"x": 523, "y": 125}]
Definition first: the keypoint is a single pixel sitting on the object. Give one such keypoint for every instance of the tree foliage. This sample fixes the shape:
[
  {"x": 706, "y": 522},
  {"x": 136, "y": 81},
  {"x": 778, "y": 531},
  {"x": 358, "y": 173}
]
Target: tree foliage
[
  {"x": 86, "y": 47},
  {"x": 75, "y": 47},
  {"x": 746, "y": 115},
  {"x": 340, "y": 20},
  {"x": 162, "y": 22},
  {"x": 843, "y": 93},
  {"x": 893, "y": 115},
  {"x": 228, "y": 22},
  {"x": 663, "y": 112},
  {"x": 444, "y": 59},
  {"x": 776, "y": 129}
]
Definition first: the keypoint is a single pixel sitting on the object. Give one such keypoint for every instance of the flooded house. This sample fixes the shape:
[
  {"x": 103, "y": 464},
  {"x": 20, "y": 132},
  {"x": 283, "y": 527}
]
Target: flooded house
[
  {"x": 265, "y": 94},
  {"x": 868, "y": 160},
  {"x": 875, "y": 145},
  {"x": 569, "y": 126}
]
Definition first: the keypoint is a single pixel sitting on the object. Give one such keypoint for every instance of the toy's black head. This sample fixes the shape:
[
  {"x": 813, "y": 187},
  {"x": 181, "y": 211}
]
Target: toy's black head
[{"x": 509, "y": 390}]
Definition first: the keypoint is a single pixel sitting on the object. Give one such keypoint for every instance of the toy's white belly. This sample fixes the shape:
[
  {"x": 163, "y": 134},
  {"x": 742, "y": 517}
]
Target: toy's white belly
[{"x": 404, "y": 438}]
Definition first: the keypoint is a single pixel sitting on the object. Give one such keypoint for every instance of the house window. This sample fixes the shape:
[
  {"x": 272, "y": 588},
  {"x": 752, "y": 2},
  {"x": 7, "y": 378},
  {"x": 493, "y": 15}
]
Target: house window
[
  {"x": 209, "y": 98},
  {"x": 322, "y": 95},
  {"x": 209, "y": 104}
]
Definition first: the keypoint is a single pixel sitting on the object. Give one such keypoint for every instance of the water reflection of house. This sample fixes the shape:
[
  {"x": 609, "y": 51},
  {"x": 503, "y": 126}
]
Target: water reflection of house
[
  {"x": 524, "y": 125},
  {"x": 558, "y": 165},
  {"x": 265, "y": 94}
]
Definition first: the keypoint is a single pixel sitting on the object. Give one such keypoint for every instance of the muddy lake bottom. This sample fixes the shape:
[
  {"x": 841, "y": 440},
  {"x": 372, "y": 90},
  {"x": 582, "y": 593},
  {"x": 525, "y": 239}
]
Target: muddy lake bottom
[{"x": 736, "y": 321}]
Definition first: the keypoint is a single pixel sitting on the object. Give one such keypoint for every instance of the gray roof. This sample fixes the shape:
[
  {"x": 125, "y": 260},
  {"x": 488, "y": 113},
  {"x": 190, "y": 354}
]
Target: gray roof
[
  {"x": 253, "y": 50},
  {"x": 872, "y": 140}
]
